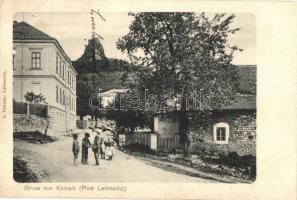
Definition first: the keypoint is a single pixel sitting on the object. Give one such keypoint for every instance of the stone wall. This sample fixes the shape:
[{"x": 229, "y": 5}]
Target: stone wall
[
  {"x": 242, "y": 138},
  {"x": 29, "y": 123}
]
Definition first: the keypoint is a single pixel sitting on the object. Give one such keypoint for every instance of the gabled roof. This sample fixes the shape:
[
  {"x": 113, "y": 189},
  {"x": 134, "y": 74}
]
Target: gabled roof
[{"x": 24, "y": 31}]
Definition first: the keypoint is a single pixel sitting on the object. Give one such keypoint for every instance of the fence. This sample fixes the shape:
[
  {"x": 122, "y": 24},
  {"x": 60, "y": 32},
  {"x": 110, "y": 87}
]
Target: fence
[
  {"x": 159, "y": 142},
  {"x": 138, "y": 138},
  {"x": 19, "y": 108},
  {"x": 40, "y": 110},
  {"x": 168, "y": 142}
]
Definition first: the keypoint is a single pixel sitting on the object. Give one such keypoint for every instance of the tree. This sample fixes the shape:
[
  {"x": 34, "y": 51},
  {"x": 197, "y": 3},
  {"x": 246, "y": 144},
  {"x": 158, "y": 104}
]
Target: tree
[
  {"x": 178, "y": 53},
  {"x": 84, "y": 92},
  {"x": 31, "y": 97},
  {"x": 127, "y": 119}
]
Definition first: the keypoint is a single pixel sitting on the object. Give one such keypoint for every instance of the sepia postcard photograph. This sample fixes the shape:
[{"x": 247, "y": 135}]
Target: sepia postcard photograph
[
  {"x": 100, "y": 98},
  {"x": 173, "y": 94}
]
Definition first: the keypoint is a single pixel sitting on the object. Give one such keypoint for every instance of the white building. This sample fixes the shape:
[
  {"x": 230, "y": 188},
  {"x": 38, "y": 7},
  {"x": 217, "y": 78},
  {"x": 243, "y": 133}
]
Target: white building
[
  {"x": 109, "y": 96},
  {"x": 40, "y": 65}
]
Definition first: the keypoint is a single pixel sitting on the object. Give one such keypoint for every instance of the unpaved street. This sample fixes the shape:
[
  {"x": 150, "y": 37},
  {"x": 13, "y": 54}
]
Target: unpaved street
[{"x": 55, "y": 162}]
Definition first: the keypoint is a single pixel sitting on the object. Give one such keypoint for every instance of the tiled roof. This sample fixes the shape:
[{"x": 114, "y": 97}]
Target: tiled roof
[
  {"x": 24, "y": 31},
  {"x": 241, "y": 102}
]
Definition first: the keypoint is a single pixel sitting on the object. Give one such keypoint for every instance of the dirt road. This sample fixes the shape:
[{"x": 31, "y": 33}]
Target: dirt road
[{"x": 54, "y": 161}]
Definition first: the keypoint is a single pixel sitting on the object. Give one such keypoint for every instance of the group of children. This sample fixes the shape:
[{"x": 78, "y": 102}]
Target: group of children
[{"x": 99, "y": 147}]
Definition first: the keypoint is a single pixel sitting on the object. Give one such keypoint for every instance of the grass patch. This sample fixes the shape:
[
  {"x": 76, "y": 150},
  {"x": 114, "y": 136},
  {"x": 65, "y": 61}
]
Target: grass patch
[
  {"x": 232, "y": 165},
  {"x": 21, "y": 172},
  {"x": 33, "y": 137}
]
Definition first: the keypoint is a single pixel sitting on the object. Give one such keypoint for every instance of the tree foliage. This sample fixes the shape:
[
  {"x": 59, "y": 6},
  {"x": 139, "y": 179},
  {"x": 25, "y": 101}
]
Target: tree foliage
[
  {"x": 126, "y": 115},
  {"x": 31, "y": 97},
  {"x": 84, "y": 92},
  {"x": 183, "y": 52},
  {"x": 178, "y": 53}
]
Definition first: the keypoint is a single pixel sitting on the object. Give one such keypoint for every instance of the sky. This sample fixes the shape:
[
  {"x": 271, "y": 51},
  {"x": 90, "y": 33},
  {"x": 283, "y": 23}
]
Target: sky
[{"x": 73, "y": 29}]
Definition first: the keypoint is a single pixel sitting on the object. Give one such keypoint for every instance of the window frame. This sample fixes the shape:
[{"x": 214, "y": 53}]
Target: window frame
[
  {"x": 221, "y": 134},
  {"x": 13, "y": 58},
  {"x": 60, "y": 99},
  {"x": 221, "y": 126},
  {"x": 63, "y": 70},
  {"x": 57, "y": 94},
  {"x": 35, "y": 59},
  {"x": 57, "y": 64},
  {"x": 60, "y": 70}
]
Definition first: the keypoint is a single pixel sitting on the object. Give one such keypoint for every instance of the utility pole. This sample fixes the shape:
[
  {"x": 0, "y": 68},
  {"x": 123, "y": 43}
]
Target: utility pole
[{"x": 94, "y": 34}]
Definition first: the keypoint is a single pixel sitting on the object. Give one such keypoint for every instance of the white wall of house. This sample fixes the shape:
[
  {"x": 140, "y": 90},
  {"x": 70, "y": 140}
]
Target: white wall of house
[
  {"x": 164, "y": 125},
  {"x": 47, "y": 80},
  {"x": 109, "y": 96}
]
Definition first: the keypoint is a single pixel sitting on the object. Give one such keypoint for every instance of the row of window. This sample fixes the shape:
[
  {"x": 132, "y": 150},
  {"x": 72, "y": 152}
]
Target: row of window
[
  {"x": 71, "y": 103},
  {"x": 62, "y": 99},
  {"x": 61, "y": 69},
  {"x": 61, "y": 115}
]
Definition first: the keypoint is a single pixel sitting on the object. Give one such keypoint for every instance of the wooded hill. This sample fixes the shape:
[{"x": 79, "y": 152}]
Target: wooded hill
[
  {"x": 100, "y": 72},
  {"x": 106, "y": 73}
]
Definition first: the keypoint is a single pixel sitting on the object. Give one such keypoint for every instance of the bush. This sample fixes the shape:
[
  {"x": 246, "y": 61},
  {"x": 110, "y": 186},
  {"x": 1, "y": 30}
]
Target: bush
[
  {"x": 207, "y": 148},
  {"x": 246, "y": 162},
  {"x": 22, "y": 173},
  {"x": 33, "y": 137}
]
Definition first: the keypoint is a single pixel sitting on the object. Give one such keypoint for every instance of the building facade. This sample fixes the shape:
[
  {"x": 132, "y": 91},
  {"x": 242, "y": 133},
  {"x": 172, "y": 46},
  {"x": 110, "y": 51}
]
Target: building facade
[
  {"x": 231, "y": 128},
  {"x": 41, "y": 66}
]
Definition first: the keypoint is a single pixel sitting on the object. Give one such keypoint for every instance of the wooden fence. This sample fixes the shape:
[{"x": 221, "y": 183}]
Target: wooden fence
[
  {"x": 165, "y": 142},
  {"x": 138, "y": 138},
  {"x": 168, "y": 142},
  {"x": 40, "y": 110}
]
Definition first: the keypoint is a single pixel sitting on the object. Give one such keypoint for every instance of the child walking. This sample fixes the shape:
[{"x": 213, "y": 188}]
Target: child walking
[{"x": 75, "y": 148}]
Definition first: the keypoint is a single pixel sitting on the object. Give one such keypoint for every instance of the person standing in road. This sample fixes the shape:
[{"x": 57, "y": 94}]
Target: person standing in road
[
  {"x": 108, "y": 150},
  {"x": 96, "y": 149},
  {"x": 102, "y": 148},
  {"x": 75, "y": 148},
  {"x": 86, "y": 144}
]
